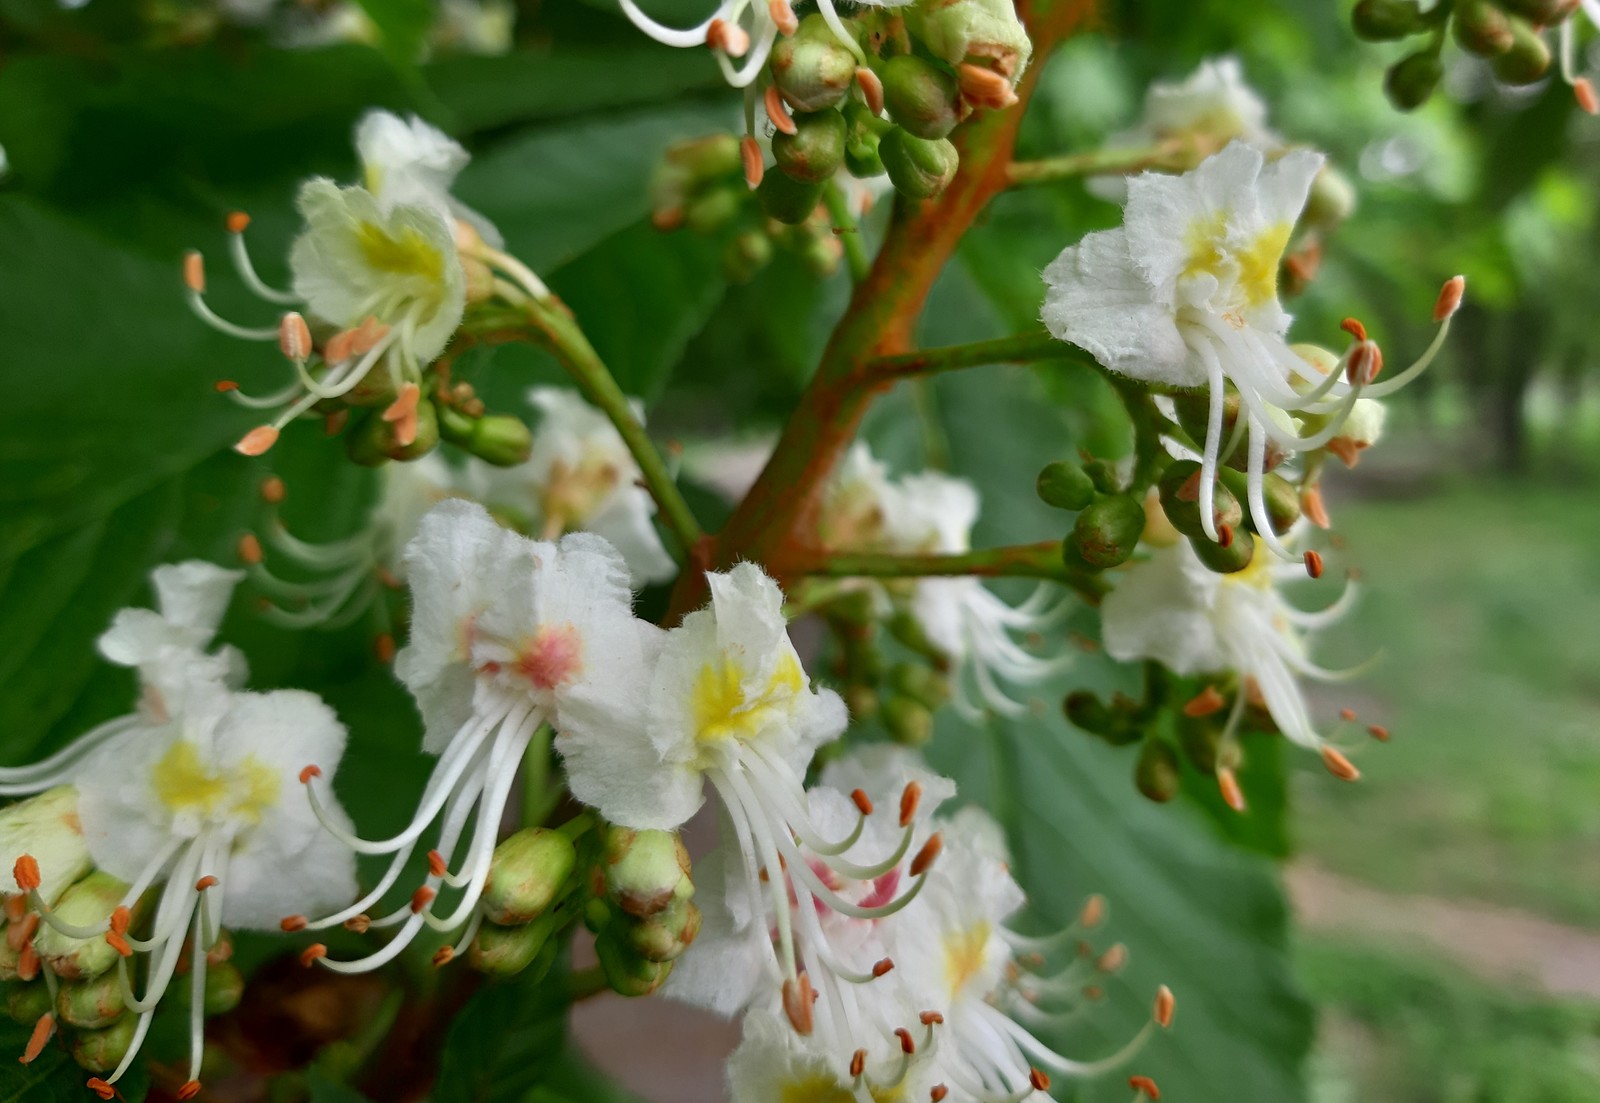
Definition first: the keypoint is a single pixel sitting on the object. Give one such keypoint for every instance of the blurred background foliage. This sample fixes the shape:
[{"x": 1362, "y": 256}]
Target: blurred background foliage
[{"x": 130, "y": 127}]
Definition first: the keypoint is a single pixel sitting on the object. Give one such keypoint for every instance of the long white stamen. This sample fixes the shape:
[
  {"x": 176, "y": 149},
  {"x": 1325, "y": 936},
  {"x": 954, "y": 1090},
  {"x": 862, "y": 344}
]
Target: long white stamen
[
  {"x": 59, "y": 768},
  {"x": 247, "y": 272},
  {"x": 197, "y": 303},
  {"x": 1208, "y": 460},
  {"x": 668, "y": 36}
]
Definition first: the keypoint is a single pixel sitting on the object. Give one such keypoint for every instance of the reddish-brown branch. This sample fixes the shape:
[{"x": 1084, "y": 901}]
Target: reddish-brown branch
[{"x": 774, "y": 523}]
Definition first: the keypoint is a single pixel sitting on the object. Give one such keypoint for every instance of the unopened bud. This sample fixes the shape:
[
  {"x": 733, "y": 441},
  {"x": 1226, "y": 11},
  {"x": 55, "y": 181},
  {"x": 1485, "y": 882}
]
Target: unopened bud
[
  {"x": 47, "y": 828},
  {"x": 746, "y": 254},
  {"x": 814, "y": 152},
  {"x": 88, "y": 903},
  {"x": 984, "y": 33},
  {"x": 1332, "y": 199},
  {"x": 909, "y": 722},
  {"x": 1528, "y": 59},
  {"x": 920, "y": 683},
  {"x": 812, "y": 68},
  {"x": 645, "y": 870},
  {"x": 665, "y": 935},
  {"x": 820, "y": 252},
  {"x": 714, "y": 208},
  {"x": 103, "y": 1050},
  {"x": 1412, "y": 79},
  {"x": 917, "y": 167},
  {"x": 786, "y": 199},
  {"x": 507, "y": 951},
  {"x": 1226, "y": 558},
  {"x": 861, "y": 142},
  {"x": 920, "y": 96},
  {"x": 1482, "y": 28},
  {"x": 1543, "y": 13},
  {"x": 528, "y": 874},
  {"x": 1156, "y": 774},
  {"x": 1180, "y": 499},
  {"x": 91, "y": 1004},
  {"x": 1115, "y": 724},
  {"x": 373, "y": 440},
  {"x": 628, "y": 973},
  {"x": 1384, "y": 20},
  {"x": 25, "y": 1003},
  {"x": 501, "y": 440},
  {"x": 1065, "y": 486},
  {"x": 1107, "y": 530},
  {"x": 224, "y": 988}
]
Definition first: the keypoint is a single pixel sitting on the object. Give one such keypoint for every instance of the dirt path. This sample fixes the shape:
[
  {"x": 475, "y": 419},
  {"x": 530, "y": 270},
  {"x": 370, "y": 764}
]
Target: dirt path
[{"x": 1497, "y": 943}]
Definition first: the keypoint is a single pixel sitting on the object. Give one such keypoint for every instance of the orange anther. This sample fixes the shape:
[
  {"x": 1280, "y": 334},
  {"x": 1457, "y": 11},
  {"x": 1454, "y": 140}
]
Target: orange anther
[
  {"x": 27, "y": 963},
  {"x": 101, "y": 1088},
  {"x": 1113, "y": 959},
  {"x": 42, "y": 1030},
  {"x": 237, "y": 222},
  {"x": 1040, "y": 1082},
  {"x": 1145, "y": 1086},
  {"x": 194, "y": 272},
  {"x": 358, "y": 923},
  {"x": 730, "y": 38},
  {"x": 884, "y": 966},
  {"x": 907, "y": 1045},
  {"x": 312, "y": 953},
  {"x": 985, "y": 87},
  {"x": 365, "y": 337},
  {"x": 858, "y": 1064},
  {"x": 190, "y": 1089},
  {"x": 1338, "y": 765},
  {"x": 1378, "y": 732},
  {"x": 1228, "y": 785},
  {"x": 938, "y": 1093},
  {"x": 26, "y": 871},
  {"x": 931, "y": 1018},
  {"x": 20, "y": 934},
  {"x": 862, "y": 802},
  {"x": 1313, "y": 564},
  {"x": 402, "y": 412},
  {"x": 309, "y": 772},
  {"x": 1347, "y": 714},
  {"x": 291, "y": 923},
  {"x": 1092, "y": 912},
  {"x": 383, "y": 648},
  {"x": 1449, "y": 300},
  {"x": 1093, "y": 992},
  {"x": 334, "y": 423},
  {"x": 421, "y": 899},
  {"x": 16, "y": 907},
  {"x": 871, "y": 89},
  {"x": 436, "y": 864},
  {"x": 443, "y": 955},
  {"x": 204, "y": 883},
  {"x": 754, "y": 167},
  {"x": 1364, "y": 365},
  {"x": 120, "y": 918},
  {"x": 1354, "y": 328},
  {"x": 339, "y": 347},
  {"x": 1224, "y": 536},
  {"x": 778, "y": 113},
  {"x": 797, "y": 1000},
  {"x": 782, "y": 15},
  {"x": 1583, "y": 91},
  {"x": 273, "y": 491},
  {"x": 1189, "y": 489},
  {"x": 925, "y": 856},
  {"x": 294, "y": 337},
  {"x": 249, "y": 549},
  {"x": 910, "y": 797},
  {"x": 1166, "y": 1004},
  {"x": 257, "y": 441},
  {"x": 225, "y": 386},
  {"x": 1204, "y": 703}
]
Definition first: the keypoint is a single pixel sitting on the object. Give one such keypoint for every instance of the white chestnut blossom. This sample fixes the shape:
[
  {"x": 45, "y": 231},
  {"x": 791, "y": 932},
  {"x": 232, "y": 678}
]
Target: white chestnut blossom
[
  {"x": 1185, "y": 294},
  {"x": 743, "y": 32},
  {"x": 932, "y": 513},
  {"x": 507, "y": 635},
  {"x": 579, "y": 476},
  {"x": 410, "y": 161},
  {"x": 196, "y": 793},
  {"x": 1170, "y": 607}
]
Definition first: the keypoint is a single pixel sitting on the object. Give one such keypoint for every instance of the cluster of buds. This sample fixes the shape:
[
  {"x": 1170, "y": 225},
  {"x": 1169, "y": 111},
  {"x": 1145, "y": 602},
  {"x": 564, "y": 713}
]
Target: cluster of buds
[
  {"x": 873, "y": 93},
  {"x": 641, "y": 908},
  {"x": 1508, "y": 33},
  {"x": 1110, "y": 517},
  {"x": 530, "y": 898},
  {"x": 902, "y": 693}
]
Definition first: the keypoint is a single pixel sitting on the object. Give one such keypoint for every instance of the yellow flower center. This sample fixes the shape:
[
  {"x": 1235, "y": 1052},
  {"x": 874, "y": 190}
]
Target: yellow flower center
[
  {"x": 184, "y": 782},
  {"x": 1258, "y": 573},
  {"x": 403, "y": 253},
  {"x": 819, "y": 1087},
  {"x": 1255, "y": 266},
  {"x": 721, "y": 710},
  {"x": 964, "y": 955}
]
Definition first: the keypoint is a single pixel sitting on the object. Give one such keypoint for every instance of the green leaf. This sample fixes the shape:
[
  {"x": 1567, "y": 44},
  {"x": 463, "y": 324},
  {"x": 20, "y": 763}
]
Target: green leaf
[
  {"x": 504, "y": 1041},
  {"x": 324, "y": 1090},
  {"x": 402, "y": 26}
]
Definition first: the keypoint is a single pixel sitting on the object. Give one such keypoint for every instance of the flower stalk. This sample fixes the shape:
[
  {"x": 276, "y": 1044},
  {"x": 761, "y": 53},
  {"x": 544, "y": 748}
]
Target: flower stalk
[{"x": 1166, "y": 155}]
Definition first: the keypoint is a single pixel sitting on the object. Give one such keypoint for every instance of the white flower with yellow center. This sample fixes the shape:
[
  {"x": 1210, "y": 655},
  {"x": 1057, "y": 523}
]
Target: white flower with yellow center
[
  {"x": 775, "y": 1065},
  {"x": 1171, "y": 608},
  {"x": 408, "y": 161},
  {"x": 507, "y": 635},
  {"x": 957, "y": 956},
  {"x": 580, "y": 476},
  {"x": 860, "y": 1032},
  {"x": 1185, "y": 294}
]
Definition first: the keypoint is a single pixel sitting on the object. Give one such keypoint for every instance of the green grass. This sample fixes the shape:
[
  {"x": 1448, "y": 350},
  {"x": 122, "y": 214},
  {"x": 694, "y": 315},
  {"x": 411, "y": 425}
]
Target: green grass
[
  {"x": 1484, "y": 598},
  {"x": 1402, "y": 1029}
]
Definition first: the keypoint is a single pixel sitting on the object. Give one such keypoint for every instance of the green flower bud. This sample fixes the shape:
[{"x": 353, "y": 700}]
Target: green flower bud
[
  {"x": 1282, "y": 499},
  {"x": 1073, "y": 558},
  {"x": 88, "y": 903},
  {"x": 1065, "y": 485},
  {"x": 625, "y": 970},
  {"x": 908, "y": 630},
  {"x": 1117, "y": 724},
  {"x": 861, "y": 701},
  {"x": 1199, "y": 736},
  {"x": 371, "y": 441},
  {"x": 917, "y": 167},
  {"x": 1482, "y": 28},
  {"x": 1179, "y": 490},
  {"x": 1412, "y": 79},
  {"x": 100, "y": 1051},
  {"x": 665, "y": 935},
  {"x": 9, "y": 960},
  {"x": 814, "y": 152},
  {"x": 455, "y": 425},
  {"x": 821, "y": 253},
  {"x": 224, "y": 988},
  {"x": 1383, "y": 20},
  {"x": 712, "y": 210},
  {"x": 748, "y": 253},
  {"x": 1103, "y": 474},
  {"x": 92, "y": 1004},
  {"x": 861, "y": 142},
  {"x": 920, "y": 683},
  {"x": 909, "y": 722},
  {"x": 812, "y": 68},
  {"x": 1226, "y": 560},
  {"x": 786, "y": 199},
  {"x": 1542, "y": 13},
  {"x": 25, "y": 1002},
  {"x": 1528, "y": 59},
  {"x": 1194, "y": 412},
  {"x": 1156, "y": 774},
  {"x": 645, "y": 870},
  {"x": 923, "y": 98},
  {"x": 529, "y": 872},
  {"x": 375, "y": 389},
  {"x": 47, "y": 827},
  {"x": 506, "y": 951},
  {"x": 501, "y": 440},
  {"x": 986, "y": 33},
  {"x": 1332, "y": 199},
  {"x": 709, "y": 158},
  {"x": 1108, "y": 530}
]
